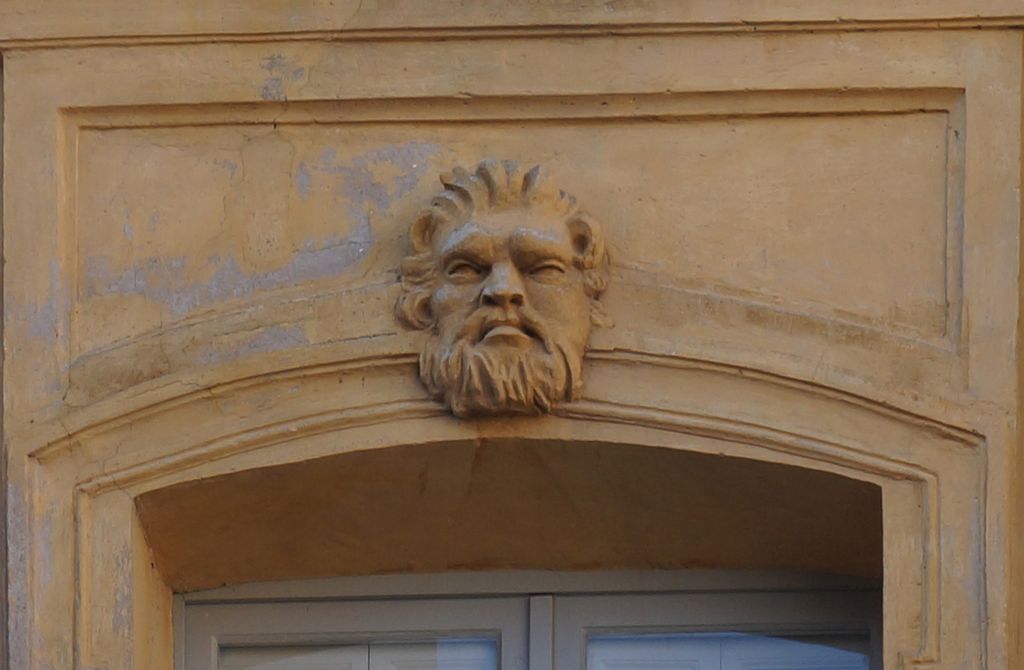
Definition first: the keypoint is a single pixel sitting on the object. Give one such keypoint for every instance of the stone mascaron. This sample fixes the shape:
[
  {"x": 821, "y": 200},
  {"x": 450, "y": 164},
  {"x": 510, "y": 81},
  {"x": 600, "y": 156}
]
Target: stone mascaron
[{"x": 506, "y": 275}]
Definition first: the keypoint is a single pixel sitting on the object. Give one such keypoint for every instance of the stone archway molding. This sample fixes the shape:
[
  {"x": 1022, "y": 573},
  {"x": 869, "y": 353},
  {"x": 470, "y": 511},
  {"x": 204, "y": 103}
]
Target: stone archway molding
[{"x": 89, "y": 557}]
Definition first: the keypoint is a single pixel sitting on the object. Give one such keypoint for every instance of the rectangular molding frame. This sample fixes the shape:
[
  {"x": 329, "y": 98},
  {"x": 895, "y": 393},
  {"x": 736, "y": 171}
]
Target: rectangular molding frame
[{"x": 939, "y": 450}]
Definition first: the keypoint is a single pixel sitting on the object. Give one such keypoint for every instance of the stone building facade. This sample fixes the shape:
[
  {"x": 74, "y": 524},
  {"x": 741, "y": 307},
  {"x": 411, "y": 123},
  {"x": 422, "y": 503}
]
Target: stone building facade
[{"x": 327, "y": 322}]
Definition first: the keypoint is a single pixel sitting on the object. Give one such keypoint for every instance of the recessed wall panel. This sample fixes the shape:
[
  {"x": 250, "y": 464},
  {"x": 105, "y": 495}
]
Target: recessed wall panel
[{"x": 841, "y": 214}]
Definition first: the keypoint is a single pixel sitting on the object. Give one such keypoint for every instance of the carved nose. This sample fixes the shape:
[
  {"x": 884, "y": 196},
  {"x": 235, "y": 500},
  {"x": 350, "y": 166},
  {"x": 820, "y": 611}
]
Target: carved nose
[{"x": 503, "y": 288}]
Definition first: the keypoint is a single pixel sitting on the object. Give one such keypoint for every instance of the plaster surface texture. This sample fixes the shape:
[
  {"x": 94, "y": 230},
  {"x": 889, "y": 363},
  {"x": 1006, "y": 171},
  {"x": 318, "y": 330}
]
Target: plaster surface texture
[{"x": 812, "y": 217}]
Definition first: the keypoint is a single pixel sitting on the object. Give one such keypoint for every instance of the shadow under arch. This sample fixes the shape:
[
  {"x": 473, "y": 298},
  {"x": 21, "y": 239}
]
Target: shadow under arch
[{"x": 498, "y": 504}]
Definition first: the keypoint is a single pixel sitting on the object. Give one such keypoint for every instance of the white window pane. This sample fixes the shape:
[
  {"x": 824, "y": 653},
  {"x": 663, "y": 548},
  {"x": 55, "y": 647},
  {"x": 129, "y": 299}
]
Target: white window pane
[
  {"x": 653, "y": 652},
  {"x": 353, "y": 657},
  {"x": 819, "y": 652},
  {"x": 726, "y": 651},
  {"x": 444, "y": 654}
]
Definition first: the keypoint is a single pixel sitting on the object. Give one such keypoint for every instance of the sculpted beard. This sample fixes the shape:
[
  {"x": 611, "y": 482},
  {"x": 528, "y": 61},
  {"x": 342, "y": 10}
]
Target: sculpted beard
[{"x": 478, "y": 378}]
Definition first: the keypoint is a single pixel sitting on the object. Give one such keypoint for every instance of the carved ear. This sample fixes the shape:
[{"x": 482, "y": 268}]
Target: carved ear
[
  {"x": 417, "y": 273},
  {"x": 413, "y": 310},
  {"x": 586, "y": 241},
  {"x": 422, "y": 231}
]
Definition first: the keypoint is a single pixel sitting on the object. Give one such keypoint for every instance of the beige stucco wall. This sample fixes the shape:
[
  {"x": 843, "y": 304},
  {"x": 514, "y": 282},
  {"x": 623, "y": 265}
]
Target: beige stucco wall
[{"x": 813, "y": 217}]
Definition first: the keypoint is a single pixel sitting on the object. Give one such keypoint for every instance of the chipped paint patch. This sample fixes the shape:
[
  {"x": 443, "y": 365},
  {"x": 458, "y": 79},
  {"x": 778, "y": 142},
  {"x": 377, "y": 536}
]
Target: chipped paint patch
[
  {"x": 303, "y": 180},
  {"x": 281, "y": 71},
  {"x": 121, "y": 612},
  {"x": 273, "y": 89},
  {"x": 46, "y": 318},
  {"x": 374, "y": 180},
  {"x": 273, "y": 62},
  {"x": 164, "y": 280},
  {"x": 230, "y": 166}
]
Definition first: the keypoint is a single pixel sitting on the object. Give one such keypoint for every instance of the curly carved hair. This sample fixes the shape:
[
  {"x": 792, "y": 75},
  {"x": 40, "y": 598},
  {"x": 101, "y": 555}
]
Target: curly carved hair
[{"x": 496, "y": 185}]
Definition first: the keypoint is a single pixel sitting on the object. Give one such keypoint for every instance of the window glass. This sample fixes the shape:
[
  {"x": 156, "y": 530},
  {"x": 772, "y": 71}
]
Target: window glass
[
  {"x": 442, "y": 654},
  {"x": 727, "y": 651},
  {"x": 293, "y": 658}
]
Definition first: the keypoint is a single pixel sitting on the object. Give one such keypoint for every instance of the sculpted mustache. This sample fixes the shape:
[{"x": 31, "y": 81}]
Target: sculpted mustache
[{"x": 524, "y": 317}]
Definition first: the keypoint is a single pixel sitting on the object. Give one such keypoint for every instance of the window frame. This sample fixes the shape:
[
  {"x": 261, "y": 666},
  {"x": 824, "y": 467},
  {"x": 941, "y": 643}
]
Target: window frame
[
  {"x": 212, "y": 626},
  {"x": 549, "y": 605}
]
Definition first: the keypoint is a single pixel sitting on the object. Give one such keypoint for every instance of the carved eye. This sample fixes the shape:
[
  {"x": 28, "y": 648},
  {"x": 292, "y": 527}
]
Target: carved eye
[
  {"x": 547, "y": 270},
  {"x": 463, "y": 271}
]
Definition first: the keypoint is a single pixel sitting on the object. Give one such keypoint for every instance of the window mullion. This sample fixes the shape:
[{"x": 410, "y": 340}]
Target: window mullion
[{"x": 541, "y": 632}]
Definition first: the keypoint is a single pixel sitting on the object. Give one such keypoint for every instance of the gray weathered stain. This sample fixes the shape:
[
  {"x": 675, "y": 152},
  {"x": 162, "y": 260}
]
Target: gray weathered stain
[
  {"x": 303, "y": 180},
  {"x": 274, "y": 62},
  {"x": 273, "y": 89},
  {"x": 45, "y": 319},
  {"x": 162, "y": 279},
  {"x": 280, "y": 70},
  {"x": 362, "y": 188},
  {"x": 121, "y": 612}
]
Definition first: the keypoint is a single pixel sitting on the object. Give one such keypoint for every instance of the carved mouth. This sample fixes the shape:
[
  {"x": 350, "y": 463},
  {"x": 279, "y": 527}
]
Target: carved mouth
[{"x": 504, "y": 332}]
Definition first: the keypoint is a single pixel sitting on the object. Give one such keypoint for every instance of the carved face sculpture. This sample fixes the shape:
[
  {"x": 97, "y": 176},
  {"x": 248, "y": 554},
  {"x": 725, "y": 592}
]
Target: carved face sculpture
[{"x": 506, "y": 273}]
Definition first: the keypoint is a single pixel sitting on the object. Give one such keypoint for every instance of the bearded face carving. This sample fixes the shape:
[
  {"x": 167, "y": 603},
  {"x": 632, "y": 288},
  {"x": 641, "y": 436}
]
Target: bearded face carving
[{"x": 506, "y": 274}]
